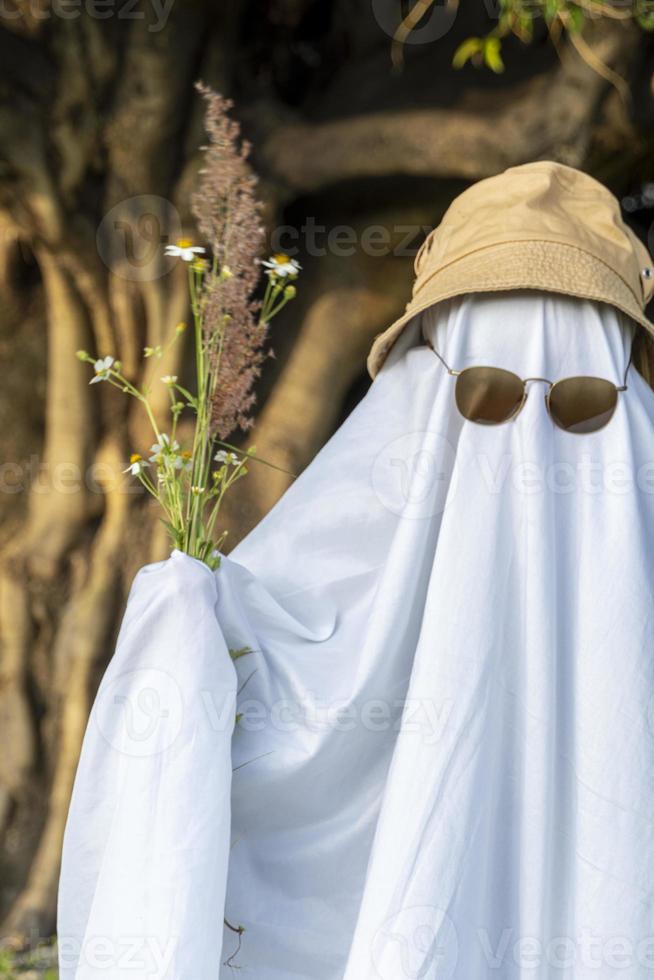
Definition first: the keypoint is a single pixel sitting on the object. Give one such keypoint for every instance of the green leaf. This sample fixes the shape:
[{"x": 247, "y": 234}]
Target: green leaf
[
  {"x": 467, "y": 50},
  {"x": 6, "y": 965},
  {"x": 493, "y": 54},
  {"x": 241, "y": 652},
  {"x": 526, "y": 23},
  {"x": 645, "y": 15},
  {"x": 174, "y": 532},
  {"x": 551, "y": 10},
  {"x": 576, "y": 18}
]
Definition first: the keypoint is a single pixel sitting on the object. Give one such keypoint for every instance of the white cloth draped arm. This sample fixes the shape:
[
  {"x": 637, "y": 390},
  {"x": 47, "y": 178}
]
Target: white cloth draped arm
[{"x": 147, "y": 841}]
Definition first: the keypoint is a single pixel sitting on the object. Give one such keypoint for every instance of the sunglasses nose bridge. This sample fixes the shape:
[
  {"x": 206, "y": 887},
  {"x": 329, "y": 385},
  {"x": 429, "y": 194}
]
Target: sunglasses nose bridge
[
  {"x": 548, "y": 389},
  {"x": 527, "y": 382}
]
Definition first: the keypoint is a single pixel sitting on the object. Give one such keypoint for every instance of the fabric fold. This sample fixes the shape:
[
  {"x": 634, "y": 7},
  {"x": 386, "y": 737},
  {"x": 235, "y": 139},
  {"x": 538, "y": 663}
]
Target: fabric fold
[
  {"x": 147, "y": 839},
  {"x": 443, "y": 764}
]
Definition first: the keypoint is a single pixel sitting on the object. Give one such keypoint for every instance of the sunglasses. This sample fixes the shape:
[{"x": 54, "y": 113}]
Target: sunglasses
[{"x": 490, "y": 396}]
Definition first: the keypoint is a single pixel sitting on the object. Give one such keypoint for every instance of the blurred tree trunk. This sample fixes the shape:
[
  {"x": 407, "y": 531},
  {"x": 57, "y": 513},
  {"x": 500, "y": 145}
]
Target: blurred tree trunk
[
  {"x": 99, "y": 129},
  {"x": 96, "y": 123}
]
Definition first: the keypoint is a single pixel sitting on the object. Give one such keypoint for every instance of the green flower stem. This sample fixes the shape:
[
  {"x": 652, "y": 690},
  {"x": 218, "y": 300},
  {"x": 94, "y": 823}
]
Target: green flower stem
[
  {"x": 256, "y": 459},
  {"x": 148, "y": 484},
  {"x": 275, "y": 310},
  {"x": 188, "y": 486},
  {"x": 192, "y": 401},
  {"x": 226, "y": 482},
  {"x": 271, "y": 305},
  {"x": 201, "y": 441},
  {"x": 273, "y": 288},
  {"x": 123, "y": 384}
]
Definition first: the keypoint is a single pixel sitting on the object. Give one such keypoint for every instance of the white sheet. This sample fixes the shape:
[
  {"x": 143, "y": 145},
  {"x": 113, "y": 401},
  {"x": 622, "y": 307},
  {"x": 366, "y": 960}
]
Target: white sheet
[{"x": 444, "y": 764}]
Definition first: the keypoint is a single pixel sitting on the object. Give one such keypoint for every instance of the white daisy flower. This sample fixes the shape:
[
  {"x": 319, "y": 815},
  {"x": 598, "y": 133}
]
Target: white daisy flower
[
  {"x": 184, "y": 461},
  {"x": 281, "y": 266},
  {"x": 101, "y": 367},
  {"x": 184, "y": 249},
  {"x": 162, "y": 448},
  {"x": 136, "y": 465},
  {"x": 169, "y": 379},
  {"x": 224, "y": 457}
]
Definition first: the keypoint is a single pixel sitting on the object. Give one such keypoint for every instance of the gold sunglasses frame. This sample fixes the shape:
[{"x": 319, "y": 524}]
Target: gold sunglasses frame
[{"x": 524, "y": 381}]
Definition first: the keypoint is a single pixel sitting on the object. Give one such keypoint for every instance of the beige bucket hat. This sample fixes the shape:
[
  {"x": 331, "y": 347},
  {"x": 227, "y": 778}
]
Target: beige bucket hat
[{"x": 538, "y": 226}]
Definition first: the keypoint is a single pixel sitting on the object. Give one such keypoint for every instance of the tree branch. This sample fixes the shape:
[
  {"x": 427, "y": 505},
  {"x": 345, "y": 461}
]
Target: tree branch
[{"x": 549, "y": 116}]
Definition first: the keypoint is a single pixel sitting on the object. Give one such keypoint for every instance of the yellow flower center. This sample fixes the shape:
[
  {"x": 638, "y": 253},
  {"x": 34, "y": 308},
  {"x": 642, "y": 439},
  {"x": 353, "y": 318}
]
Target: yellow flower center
[
  {"x": 185, "y": 454},
  {"x": 184, "y": 243},
  {"x": 281, "y": 258},
  {"x": 135, "y": 458}
]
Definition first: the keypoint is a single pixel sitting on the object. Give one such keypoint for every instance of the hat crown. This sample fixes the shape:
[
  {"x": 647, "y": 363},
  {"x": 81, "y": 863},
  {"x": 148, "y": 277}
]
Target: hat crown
[
  {"x": 541, "y": 201},
  {"x": 540, "y": 226}
]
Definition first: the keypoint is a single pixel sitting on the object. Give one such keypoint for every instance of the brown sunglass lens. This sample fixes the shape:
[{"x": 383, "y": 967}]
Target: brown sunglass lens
[
  {"x": 488, "y": 395},
  {"x": 582, "y": 404}
]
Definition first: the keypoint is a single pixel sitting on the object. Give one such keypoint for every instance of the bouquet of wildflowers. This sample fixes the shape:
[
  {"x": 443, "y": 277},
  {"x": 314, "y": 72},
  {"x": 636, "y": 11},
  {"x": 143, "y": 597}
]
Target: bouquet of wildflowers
[{"x": 230, "y": 329}]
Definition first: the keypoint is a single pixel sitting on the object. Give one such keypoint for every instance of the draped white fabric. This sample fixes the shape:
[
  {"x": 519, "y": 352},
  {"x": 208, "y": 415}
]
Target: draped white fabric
[
  {"x": 443, "y": 765},
  {"x": 146, "y": 848}
]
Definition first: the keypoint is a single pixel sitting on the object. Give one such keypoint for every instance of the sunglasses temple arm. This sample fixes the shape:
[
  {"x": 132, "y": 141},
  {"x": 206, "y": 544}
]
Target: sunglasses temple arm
[
  {"x": 451, "y": 371},
  {"x": 434, "y": 351}
]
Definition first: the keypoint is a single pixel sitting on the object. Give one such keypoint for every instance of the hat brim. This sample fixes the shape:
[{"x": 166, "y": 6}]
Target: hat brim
[{"x": 543, "y": 265}]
